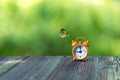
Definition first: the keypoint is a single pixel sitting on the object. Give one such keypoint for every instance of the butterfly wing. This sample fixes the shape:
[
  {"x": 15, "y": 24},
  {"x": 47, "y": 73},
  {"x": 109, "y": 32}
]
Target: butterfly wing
[{"x": 63, "y": 33}]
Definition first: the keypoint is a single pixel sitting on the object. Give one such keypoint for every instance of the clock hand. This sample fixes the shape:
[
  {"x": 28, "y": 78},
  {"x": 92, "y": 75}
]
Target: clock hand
[{"x": 80, "y": 47}]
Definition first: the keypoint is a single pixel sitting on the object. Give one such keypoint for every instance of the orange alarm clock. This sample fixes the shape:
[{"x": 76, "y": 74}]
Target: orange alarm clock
[{"x": 80, "y": 49}]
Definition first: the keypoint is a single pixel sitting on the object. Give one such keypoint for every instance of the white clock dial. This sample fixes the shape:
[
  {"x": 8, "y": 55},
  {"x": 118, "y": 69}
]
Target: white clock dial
[{"x": 80, "y": 51}]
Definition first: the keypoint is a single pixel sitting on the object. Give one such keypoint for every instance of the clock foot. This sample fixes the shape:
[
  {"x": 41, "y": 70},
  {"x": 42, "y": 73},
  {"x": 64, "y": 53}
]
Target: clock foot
[
  {"x": 74, "y": 58},
  {"x": 85, "y": 59}
]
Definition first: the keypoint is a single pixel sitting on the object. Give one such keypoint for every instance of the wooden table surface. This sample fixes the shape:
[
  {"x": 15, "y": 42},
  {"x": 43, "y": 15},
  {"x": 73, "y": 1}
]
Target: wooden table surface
[{"x": 59, "y": 68}]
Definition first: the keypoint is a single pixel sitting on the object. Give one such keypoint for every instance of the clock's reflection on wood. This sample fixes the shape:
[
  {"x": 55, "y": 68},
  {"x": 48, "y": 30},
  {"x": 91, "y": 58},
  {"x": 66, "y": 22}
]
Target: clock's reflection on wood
[{"x": 59, "y": 68}]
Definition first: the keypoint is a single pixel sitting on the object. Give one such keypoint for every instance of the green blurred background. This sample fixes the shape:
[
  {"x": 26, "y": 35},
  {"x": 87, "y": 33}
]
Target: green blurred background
[{"x": 32, "y": 27}]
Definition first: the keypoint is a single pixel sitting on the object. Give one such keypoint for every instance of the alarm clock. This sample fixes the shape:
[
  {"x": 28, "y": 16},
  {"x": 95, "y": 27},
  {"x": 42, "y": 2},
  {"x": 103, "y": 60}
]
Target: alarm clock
[{"x": 80, "y": 49}]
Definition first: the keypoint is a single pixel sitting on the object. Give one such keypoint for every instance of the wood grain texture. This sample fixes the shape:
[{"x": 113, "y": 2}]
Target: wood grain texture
[
  {"x": 8, "y": 63},
  {"x": 59, "y": 68}
]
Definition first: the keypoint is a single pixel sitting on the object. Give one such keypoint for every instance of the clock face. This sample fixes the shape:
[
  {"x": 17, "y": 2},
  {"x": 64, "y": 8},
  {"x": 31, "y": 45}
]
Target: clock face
[{"x": 80, "y": 52}]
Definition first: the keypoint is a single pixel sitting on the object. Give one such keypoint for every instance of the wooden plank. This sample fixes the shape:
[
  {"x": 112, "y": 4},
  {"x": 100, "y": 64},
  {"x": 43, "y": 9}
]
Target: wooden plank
[
  {"x": 46, "y": 69},
  {"x": 8, "y": 58},
  {"x": 109, "y": 68},
  {"x": 32, "y": 68},
  {"x": 63, "y": 68},
  {"x": 9, "y": 62},
  {"x": 75, "y": 70},
  {"x": 2, "y": 57}
]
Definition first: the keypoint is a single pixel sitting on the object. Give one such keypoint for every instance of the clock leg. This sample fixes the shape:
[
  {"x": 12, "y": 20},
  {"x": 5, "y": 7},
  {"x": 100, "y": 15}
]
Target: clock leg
[
  {"x": 74, "y": 58},
  {"x": 86, "y": 59}
]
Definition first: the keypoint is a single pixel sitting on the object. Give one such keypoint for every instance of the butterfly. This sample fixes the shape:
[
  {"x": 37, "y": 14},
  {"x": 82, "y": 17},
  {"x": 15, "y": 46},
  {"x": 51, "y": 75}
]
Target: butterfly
[{"x": 63, "y": 33}]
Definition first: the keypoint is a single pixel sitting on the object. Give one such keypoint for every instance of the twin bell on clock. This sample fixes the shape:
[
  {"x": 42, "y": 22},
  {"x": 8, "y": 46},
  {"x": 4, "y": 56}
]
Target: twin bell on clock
[{"x": 80, "y": 49}]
